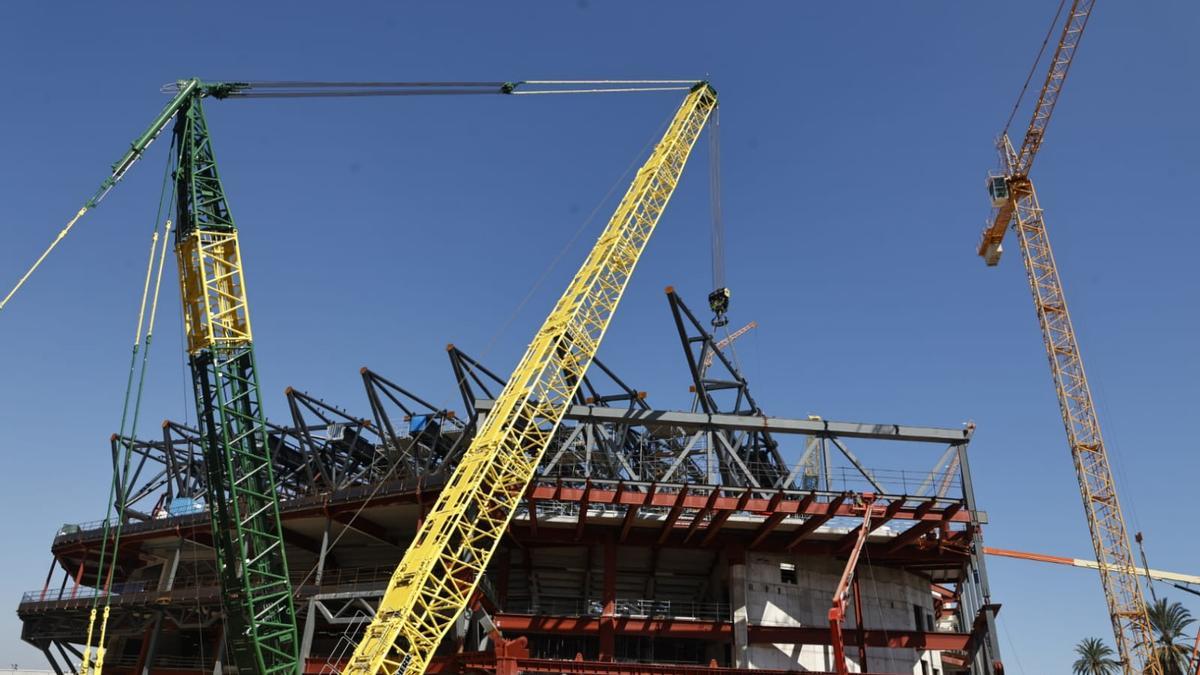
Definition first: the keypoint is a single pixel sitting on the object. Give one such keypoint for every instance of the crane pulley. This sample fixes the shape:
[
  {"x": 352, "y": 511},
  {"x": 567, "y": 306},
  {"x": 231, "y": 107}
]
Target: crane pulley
[{"x": 1015, "y": 201}]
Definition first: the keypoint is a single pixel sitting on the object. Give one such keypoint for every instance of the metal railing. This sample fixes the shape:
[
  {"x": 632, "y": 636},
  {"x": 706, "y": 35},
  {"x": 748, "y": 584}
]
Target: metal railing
[
  {"x": 629, "y": 607},
  {"x": 75, "y": 592},
  {"x": 353, "y": 576}
]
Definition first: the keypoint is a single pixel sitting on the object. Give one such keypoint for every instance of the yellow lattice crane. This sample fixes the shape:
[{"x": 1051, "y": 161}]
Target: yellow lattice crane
[
  {"x": 1015, "y": 202},
  {"x": 435, "y": 580}
]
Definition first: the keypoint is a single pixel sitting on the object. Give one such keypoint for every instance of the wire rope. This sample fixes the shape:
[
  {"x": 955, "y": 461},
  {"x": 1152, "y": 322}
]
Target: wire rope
[
  {"x": 119, "y": 487},
  {"x": 1033, "y": 68}
]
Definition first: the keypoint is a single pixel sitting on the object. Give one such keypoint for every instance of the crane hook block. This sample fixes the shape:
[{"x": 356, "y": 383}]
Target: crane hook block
[{"x": 718, "y": 302}]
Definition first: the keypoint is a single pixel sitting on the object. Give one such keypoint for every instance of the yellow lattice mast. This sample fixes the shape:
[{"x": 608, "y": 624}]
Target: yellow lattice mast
[
  {"x": 441, "y": 569},
  {"x": 1016, "y": 202}
]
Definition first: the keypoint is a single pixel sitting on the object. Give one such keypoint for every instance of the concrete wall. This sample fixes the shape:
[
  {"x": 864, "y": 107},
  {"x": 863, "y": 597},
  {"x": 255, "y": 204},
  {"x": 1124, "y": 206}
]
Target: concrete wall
[{"x": 762, "y": 593}]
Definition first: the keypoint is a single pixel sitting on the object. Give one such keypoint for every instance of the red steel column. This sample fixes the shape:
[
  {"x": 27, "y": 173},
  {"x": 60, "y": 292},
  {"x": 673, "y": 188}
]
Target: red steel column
[
  {"x": 79, "y": 575},
  {"x": 608, "y": 640}
]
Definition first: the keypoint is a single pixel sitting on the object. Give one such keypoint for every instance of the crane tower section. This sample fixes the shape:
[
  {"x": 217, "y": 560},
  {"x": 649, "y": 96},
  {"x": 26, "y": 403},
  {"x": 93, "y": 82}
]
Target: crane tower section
[
  {"x": 440, "y": 571},
  {"x": 1015, "y": 202},
  {"x": 1106, "y": 524},
  {"x": 260, "y": 619}
]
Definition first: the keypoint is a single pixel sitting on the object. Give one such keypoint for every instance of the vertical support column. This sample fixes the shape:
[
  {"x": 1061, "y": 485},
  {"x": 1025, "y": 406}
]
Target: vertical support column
[
  {"x": 219, "y": 650},
  {"x": 310, "y": 617},
  {"x": 608, "y": 640},
  {"x": 166, "y": 580},
  {"x": 826, "y": 463},
  {"x": 737, "y": 605},
  {"x": 149, "y": 646},
  {"x": 991, "y": 643}
]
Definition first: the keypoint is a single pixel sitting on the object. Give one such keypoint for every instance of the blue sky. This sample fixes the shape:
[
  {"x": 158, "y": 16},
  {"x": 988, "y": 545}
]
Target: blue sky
[{"x": 855, "y": 140}]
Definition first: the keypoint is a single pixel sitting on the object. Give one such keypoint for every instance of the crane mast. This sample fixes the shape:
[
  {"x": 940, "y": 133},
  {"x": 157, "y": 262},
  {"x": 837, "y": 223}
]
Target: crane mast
[
  {"x": 1015, "y": 201},
  {"x": 260, "y": 619},
  {"x": 442, "y": 567}
]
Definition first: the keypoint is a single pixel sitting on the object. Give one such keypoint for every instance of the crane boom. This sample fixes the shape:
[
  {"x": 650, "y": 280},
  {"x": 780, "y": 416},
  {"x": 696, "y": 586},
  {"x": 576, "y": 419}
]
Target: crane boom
[
  {"x": 1106, "y": 524},
  {"x": 725, "y": 342},
  {"x": 440, "y": 570},
  {"x": 1156, "y": 575},
  {"x": 1021, "y": 161},
  {"x": 1015, "y": 199}
]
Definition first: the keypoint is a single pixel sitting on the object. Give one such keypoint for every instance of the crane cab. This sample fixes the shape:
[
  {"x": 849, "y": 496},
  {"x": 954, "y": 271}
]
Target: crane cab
[{"x": 997, "y": 187}]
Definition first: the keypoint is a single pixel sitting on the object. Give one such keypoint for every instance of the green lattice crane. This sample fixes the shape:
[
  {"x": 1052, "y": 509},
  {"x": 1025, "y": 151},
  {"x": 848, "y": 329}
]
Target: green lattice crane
[{"x": 260, "y": 618}]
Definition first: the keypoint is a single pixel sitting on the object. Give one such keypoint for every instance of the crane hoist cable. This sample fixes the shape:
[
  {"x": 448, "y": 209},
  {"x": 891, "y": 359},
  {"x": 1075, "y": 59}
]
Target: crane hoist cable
[
  {"x": 718, "y": 298},
  {"x": 121, "y": 484},
  {"x": 1033, "y": 68}
]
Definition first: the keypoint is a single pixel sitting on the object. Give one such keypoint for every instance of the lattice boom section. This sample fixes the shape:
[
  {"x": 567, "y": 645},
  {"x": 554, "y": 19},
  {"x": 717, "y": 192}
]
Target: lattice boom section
[
  {"x": 441, "y": 569},
  {"x": 214, "y": 294},
  {"x": 1060, "y": 65},
  {"x": 1105, "y": 522},
  {"x": 257, "y": 599}
]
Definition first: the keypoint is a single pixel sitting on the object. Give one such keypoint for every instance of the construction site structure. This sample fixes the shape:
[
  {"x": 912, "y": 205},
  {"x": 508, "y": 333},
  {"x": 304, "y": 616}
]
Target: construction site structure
[
  {"x": 646, "y": 543},
  {"x": 725, "y": 511},
  {"x": 1015, "y": 202}
]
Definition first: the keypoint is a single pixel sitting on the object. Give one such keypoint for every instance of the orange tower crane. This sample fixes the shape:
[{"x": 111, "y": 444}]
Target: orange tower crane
[{"x": 1015, "y": 201}]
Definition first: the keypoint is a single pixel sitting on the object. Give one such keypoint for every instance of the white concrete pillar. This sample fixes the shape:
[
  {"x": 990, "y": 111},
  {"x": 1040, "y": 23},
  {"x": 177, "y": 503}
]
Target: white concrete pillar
[{"x": 741, "y": 617}]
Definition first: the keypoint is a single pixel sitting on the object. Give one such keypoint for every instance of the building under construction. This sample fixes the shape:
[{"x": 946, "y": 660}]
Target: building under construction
[
  {"x": 557, "y": 522},
  {"x": 651, "y": 541}
]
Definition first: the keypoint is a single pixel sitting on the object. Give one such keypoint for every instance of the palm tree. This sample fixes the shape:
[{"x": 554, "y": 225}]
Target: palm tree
[
  {"x": 1095, "y": 658},
  {"x": 1169, "y": 621}
]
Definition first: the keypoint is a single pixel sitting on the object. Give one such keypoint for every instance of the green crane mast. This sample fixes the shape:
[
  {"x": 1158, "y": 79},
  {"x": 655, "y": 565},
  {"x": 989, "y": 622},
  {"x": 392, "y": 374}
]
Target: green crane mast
[{"x": 260, "y": 618}]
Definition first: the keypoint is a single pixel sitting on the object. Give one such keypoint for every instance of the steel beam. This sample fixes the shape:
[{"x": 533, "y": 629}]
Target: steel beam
[{"x": 775, "y": 425}]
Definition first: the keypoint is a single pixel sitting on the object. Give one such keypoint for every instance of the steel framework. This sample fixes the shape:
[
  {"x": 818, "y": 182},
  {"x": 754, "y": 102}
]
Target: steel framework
[{"x": 932, "y": 514}]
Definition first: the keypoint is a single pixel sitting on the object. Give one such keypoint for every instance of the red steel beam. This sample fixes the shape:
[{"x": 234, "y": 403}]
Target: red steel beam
[
  {"x": 877, "y": 521},
  {"x": 790, "y": 505},
  {"x": 724, "y": 505},
  {"x": 921, "y": 528},
  {"x": 631, "y": 509},
  {"x": 718, "y": 521},
  {"x": 676, "y": 511},
  {"x": 583, "y": 508},
  {"x": 487, "y": 663},
  {"x": 816, "y": 520},
  {"x": 702, "y": 514},
  {"x": 722, "y": 632}
]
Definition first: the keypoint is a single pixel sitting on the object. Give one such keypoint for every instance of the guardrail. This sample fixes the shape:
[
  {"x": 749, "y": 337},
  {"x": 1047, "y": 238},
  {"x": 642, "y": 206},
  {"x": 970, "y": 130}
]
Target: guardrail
[
  {"x": 74, "y": 592},
  {"x": 353, "y": 576},
  {"x": 628, "y": 607}
]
